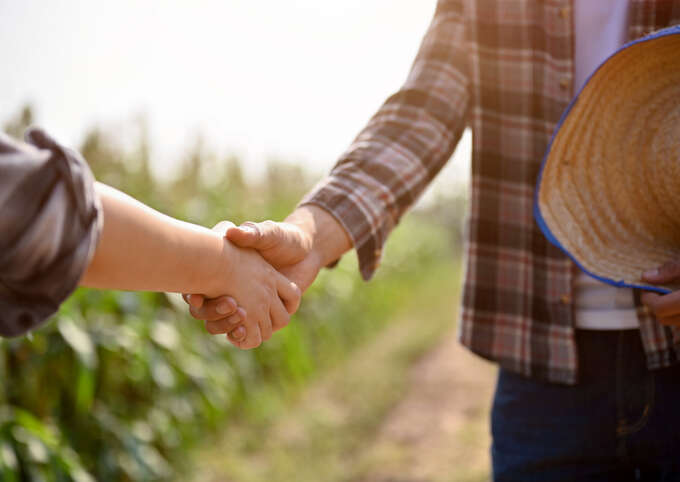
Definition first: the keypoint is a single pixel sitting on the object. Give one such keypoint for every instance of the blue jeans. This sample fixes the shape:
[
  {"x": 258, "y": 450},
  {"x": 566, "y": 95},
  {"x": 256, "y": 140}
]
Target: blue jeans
[{"x": 621, "y": 422}]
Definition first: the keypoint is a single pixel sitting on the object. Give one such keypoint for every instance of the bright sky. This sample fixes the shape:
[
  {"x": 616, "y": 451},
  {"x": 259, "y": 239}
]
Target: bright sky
[{"x": 292, "y": 79}]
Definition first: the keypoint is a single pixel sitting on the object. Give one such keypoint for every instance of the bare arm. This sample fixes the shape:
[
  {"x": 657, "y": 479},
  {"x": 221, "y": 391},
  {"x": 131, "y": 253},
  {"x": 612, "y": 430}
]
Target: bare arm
[
  {"x": 61, "y": 228},
  {"x": 142, "y": 249}
]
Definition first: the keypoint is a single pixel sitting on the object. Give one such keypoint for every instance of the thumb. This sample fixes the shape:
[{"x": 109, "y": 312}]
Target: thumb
[
  {"x": 247, "y": 235},
  {"x": 222, "y": 227},
  {"x": 195, "y": 301},
  {"x": 663, "y": 274}
]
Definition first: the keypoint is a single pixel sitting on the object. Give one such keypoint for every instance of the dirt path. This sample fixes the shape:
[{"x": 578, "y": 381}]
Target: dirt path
[
  {"x": 439, "y": 430},
  {"x": 409, "y": 406}
]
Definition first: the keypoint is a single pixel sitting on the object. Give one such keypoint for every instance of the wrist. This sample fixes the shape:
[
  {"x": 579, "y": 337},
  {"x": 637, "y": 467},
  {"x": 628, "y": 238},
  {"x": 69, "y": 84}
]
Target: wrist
[
  {"x": 327, "y": 237},
  {"x": 228, "y": 270},
  {"x": 214, "y": 268}
]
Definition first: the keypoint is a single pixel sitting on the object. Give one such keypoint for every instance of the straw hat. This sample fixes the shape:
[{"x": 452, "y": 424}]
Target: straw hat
[{"x": 609, "y": 189}]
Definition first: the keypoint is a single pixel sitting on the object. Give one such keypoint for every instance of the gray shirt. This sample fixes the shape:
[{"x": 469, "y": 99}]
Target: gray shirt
[{"x": 50, "y": 219}]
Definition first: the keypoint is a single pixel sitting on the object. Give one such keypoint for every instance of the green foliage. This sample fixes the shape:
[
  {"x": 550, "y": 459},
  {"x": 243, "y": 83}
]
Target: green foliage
[{"x": 119, "y": 386}]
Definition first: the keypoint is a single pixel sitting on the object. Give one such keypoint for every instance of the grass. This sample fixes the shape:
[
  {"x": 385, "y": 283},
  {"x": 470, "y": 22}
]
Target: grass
[
  {"x": 328, "y": 431},
  {"x": 124, "y": 386}
]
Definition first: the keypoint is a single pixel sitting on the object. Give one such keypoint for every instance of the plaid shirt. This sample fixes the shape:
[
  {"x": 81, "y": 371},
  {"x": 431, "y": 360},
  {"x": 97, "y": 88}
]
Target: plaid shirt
[{"x": 505, "y": 68}]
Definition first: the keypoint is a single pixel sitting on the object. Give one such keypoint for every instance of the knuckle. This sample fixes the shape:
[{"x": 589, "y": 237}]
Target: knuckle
[
  {"x": 269, "y": 290},
  {"x": 255, "y": 227}
]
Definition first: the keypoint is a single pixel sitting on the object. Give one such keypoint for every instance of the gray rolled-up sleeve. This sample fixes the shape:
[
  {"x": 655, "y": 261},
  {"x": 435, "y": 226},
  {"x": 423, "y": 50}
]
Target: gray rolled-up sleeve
[{"x": 50, "y": 220}]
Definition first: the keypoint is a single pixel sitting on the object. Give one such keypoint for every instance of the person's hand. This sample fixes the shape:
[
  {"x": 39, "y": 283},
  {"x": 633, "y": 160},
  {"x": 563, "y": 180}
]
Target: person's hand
[
  {"x": 232, "y": 319},
  {"x": 267, "y": 297},
  {"x": 286, "y": 246},
  {"x": 309, "y": 239},
  {"x": 233, "y": 316},
  {"x": 666, "y": 308}
]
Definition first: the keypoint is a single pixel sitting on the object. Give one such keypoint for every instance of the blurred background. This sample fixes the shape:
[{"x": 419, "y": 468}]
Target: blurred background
[{"x": 233, "y": 110}]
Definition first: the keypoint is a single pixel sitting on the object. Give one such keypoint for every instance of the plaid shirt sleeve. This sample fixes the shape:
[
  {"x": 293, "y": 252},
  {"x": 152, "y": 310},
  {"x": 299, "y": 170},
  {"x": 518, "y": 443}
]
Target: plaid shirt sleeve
[
  {"x": 405, "y": 144},
  {"x": 50, "y": 225}
]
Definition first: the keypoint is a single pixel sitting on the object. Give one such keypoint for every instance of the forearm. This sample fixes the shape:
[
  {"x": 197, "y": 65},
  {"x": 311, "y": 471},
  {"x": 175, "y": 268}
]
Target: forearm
[
  {"x": 405, "y": 144},
  {"x": 142, "y": 249}
]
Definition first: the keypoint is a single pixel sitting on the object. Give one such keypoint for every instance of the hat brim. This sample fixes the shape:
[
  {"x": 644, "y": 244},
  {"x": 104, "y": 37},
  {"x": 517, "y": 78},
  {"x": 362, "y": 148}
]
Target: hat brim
[{"x": 605, "y": 190}]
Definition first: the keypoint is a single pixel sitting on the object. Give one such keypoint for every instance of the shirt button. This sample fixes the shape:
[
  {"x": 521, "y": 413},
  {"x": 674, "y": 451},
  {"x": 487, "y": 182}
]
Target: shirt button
[
  {"x": 565, "y": 299},
  {"x": 565, "y": 83},
  {"x": 564, "y": 12}
]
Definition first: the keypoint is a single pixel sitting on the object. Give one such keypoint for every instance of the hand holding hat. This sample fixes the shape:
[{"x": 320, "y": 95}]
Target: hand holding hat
[
  {"x": 609, "y": 190},
  {"x": 665, "y": 307}
]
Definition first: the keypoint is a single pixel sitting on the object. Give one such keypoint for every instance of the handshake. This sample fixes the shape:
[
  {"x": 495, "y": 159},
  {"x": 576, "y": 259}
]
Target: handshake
[
  {"x": 265, "y": 267},
  {"x": 245, "y": 281}
]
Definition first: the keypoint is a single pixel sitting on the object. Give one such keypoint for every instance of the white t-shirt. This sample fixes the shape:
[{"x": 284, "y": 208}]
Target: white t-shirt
[{"x": 601, "y": 27}]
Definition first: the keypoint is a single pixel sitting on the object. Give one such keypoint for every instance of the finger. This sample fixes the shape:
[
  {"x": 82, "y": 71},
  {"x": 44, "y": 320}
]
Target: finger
[
  {"x": 260, "y": 236},
  {"x": 663, "y": 274},
  {"x": 194, "y": 300},
  {"x": 246, "y": 235},
  {"x": 266, "y": 329},
  {"x": 222, "y": 227},
  {"x": 303, "y": 273},
  {"x": 289, "y": 293},
  {"x": 225, "y": 325},
  {"x": 279, "y": 316},
  {"x": 254, "y": 336},
  {"x": 226, "y": 305},
  {"x": 239, "y": 316},
  {"x": 237, "y": 335},
  {"x": 648, "y": 298},
  {"x": 670, "y": 321},
  {"x": 214, "y": 309},
  {"x": 663, "y": 306}
]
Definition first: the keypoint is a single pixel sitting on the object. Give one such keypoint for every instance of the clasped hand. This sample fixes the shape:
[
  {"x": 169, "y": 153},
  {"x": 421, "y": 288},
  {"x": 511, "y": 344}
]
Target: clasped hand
[
  {"x": 298, "y": 248},
  {"x": 280, "y": 246},
  {"x": 266, "y": 298}
]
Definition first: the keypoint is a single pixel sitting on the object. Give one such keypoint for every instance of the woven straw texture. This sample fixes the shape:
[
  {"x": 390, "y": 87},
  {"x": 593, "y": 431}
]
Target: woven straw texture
[{"x": 610, "y": 185}]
